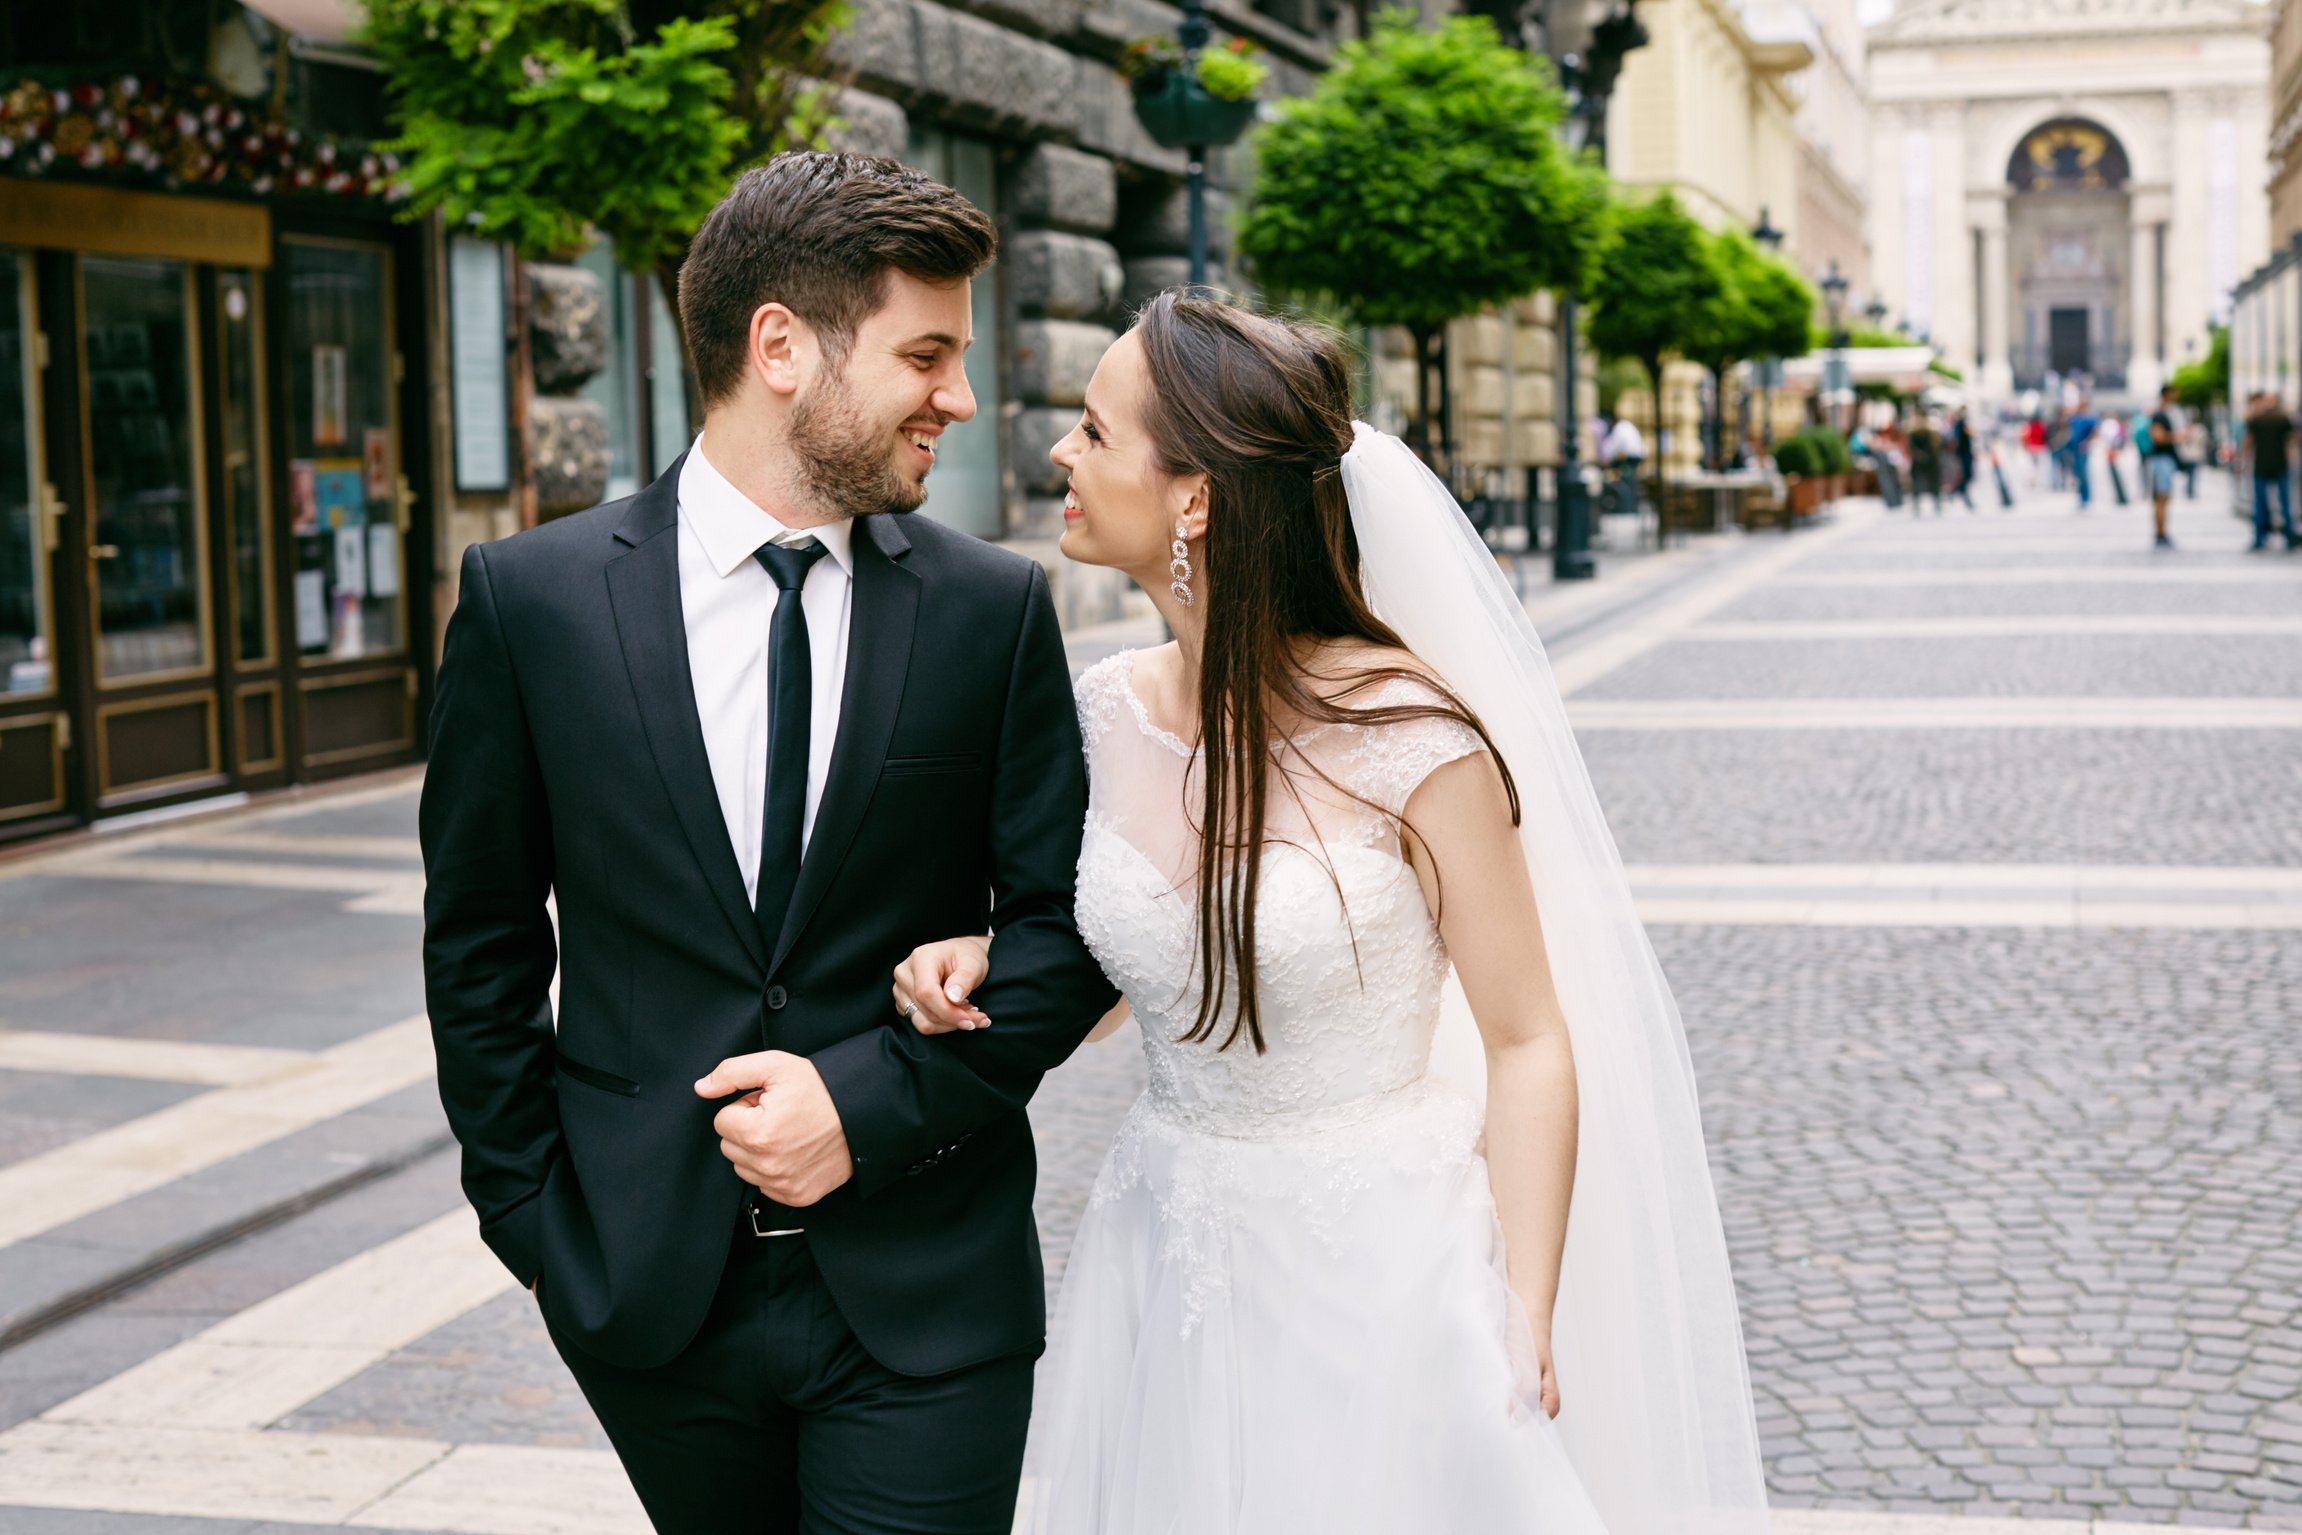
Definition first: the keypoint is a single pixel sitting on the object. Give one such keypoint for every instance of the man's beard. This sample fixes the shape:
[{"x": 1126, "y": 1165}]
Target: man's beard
[{"x": 843, "y": 460}]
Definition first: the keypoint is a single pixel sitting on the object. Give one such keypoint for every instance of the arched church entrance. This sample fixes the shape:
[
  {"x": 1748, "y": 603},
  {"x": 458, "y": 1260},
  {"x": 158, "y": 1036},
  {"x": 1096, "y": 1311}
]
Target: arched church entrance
[{"x": 2069, "y": 255}]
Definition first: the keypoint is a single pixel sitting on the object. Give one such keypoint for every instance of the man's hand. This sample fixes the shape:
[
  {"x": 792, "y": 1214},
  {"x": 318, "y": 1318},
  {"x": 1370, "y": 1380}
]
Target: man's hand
[{"x": 783, "y": 1135}]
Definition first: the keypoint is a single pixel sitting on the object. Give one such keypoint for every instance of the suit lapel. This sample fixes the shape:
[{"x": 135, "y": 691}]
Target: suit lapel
[
  {"x": 643, "y": 591},
  {"x": 886, "y": 608}
]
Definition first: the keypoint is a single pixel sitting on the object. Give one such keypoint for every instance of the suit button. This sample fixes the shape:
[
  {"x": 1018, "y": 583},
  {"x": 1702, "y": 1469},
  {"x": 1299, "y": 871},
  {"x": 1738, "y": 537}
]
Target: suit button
[{"x": 776, "y": 997}]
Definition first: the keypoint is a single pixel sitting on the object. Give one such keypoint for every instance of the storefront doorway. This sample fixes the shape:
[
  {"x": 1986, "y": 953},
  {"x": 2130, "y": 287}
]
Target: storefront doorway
[{"x": 204, "y": 518}]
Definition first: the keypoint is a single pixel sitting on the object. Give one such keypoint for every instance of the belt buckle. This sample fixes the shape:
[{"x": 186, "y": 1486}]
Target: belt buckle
[{"x": 754, "y": 1212}]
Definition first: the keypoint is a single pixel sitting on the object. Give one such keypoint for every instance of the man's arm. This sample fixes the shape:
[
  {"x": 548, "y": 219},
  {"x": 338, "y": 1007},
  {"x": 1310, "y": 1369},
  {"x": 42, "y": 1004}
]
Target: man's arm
[
  {"x": 489, "y": 951},
  {"x": 903, "y": 1097}
]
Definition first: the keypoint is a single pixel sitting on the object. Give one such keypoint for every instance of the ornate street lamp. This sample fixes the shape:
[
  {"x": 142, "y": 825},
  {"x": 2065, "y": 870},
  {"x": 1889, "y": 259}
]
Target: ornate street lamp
[
  {"x": 1768, "y": 239},
  {"x": 1877, "y": 313},
  {"x": 1836, "y": 378},
  {"x": 1589, "y": 54}
]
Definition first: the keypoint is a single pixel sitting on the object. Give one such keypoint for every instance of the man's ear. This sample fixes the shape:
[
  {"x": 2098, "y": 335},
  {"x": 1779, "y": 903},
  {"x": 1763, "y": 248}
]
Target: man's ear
[
  {"x": 1191, "y": 504},
  {"x": 775, "y": 346}
]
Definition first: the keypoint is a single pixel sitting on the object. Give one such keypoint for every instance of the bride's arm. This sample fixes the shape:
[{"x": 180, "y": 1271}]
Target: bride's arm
[{"x": 1467, "y": 855}]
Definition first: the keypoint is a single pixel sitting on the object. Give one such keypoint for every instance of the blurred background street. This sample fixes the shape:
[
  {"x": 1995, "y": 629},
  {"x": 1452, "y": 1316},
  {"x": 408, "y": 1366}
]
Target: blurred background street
[
  {"x": 1968, "y": 844},
  {"x": 1970, "y": 840}
]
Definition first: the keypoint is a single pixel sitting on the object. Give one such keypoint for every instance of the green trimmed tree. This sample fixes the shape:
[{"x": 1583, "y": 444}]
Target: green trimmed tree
[
  {"x": 2203, "y": 385},
  {"x": 1420, "y": 181},
  {"x": 1654, "y": 286},
  {"x": 1762, "y": 308},
  {"x": 538, "y": 121}
]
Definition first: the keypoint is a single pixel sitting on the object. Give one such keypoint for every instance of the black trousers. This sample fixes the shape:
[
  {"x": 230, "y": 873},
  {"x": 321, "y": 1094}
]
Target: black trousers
[{"x": 774, "y": 1421}]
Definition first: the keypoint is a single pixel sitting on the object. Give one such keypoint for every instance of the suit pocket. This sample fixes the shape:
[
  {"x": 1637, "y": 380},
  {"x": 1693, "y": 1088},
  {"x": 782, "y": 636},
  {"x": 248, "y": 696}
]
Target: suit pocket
[
  {"x": 954, "y": 762},
  {"x": 592, "y": 1076}
]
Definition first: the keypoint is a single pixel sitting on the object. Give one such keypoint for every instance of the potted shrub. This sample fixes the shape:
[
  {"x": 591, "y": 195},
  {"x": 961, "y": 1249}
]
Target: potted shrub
[
  {"x": 1837, "y": 459},
  {"x": 1799, "y": 458},
  {"x": 1211, "y": 104}
]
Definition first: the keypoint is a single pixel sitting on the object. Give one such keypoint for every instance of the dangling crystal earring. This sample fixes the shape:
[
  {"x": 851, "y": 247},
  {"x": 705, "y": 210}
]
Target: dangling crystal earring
[{"x": 1180, "y": 568}]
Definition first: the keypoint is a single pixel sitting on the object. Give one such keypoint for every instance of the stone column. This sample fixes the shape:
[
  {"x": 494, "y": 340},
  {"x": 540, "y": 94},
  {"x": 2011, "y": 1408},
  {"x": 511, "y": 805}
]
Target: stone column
[
  {"x": 2145, "y": 365},
  {"x": 1986, "y": 212}
]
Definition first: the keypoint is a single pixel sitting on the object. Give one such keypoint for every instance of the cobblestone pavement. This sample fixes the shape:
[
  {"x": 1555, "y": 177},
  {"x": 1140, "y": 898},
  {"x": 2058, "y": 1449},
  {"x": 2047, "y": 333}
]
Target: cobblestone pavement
[{"x": 2016, "y": 1210}]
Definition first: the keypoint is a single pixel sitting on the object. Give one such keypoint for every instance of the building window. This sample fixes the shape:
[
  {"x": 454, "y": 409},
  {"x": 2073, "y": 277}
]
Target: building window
[
  {"x": 616, "y": 386},
  {"x": 666, "y": 381},
  {"x": 964, "y": 490}
]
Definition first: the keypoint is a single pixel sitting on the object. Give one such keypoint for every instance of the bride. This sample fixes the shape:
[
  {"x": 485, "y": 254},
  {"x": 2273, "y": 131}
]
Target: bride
[{"x": 1326, "y": 1283}]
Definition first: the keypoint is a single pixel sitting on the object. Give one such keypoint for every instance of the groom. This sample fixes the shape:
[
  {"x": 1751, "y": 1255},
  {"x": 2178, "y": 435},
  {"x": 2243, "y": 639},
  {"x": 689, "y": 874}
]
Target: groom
[{"x": 759, "y": 736}]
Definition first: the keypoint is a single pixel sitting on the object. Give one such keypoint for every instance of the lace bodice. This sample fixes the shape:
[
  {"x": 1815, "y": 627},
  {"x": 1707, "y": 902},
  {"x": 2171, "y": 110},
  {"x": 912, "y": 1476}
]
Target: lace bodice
[{"x": 1349, "y": 958}]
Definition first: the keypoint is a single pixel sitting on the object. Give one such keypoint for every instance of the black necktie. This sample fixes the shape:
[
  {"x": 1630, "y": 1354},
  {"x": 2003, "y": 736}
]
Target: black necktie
[{"x": 790, "y": 702}]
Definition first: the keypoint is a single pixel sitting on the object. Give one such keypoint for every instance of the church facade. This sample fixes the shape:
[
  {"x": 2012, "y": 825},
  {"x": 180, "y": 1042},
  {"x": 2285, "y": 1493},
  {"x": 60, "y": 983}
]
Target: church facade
[{"x": 2068, "y": 189}]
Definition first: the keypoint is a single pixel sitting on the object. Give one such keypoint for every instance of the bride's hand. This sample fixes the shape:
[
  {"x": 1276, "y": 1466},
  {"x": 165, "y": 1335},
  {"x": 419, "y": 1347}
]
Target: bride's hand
[
  {"x": 1548, "y": 1391},
  {"x": 938, "y": 978}
]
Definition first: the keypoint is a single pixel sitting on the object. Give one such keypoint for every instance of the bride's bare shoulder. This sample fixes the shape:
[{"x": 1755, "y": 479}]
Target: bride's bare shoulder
[{"x": 1346, "y": 668}]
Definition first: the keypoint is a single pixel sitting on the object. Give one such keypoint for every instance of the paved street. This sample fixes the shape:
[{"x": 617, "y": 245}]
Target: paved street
[{"x": 1972, "y": 845}]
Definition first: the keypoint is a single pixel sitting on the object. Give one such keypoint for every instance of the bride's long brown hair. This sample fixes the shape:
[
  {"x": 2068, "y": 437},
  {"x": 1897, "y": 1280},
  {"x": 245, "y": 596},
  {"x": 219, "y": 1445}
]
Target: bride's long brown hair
[{"x": 1262, "y": 407}]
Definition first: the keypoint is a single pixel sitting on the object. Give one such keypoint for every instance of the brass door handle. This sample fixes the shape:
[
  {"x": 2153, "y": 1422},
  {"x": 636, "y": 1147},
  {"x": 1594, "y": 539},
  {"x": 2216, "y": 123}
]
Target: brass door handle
[{"x": 104, "y": 551}]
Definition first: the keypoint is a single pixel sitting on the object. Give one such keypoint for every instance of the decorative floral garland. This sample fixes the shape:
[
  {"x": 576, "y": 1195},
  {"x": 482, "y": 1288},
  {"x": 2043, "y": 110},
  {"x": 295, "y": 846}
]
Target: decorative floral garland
[{"x": 191, "y": 134}]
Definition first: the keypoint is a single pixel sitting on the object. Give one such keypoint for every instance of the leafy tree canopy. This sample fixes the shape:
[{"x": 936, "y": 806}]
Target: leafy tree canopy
[
  {"x": 1784, "y": 302},
  {"x": 1421, "y": 180},
  {"x": 2202, "y": 385},
  {"x": 533, "y": 119},
  {"x": 1727, "y": 328},
  {"x": 1654, "y": 284}
]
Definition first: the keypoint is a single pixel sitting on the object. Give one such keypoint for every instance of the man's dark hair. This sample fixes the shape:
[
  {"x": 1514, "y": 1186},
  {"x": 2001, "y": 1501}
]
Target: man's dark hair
[{"x": 818, "y": 233}]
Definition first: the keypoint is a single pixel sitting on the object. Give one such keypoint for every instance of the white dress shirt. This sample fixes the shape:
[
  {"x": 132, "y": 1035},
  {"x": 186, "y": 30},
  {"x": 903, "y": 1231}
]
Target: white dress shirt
[{"x": 727, "y": 599}]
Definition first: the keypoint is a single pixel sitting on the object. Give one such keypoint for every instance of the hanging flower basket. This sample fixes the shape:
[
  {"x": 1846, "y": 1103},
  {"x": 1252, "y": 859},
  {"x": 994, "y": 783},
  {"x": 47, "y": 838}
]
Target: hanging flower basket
[{"x": 1177, "y": 111}]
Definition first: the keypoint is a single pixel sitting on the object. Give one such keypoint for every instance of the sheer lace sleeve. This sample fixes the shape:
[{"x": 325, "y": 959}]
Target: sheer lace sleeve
[
  {"x": 1391, "y": 761},
  {"x": 1099, "y": 694}
]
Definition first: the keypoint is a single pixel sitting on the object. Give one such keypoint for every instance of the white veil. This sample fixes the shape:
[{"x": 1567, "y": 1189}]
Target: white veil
[{"x": 1657, "y": 1414}]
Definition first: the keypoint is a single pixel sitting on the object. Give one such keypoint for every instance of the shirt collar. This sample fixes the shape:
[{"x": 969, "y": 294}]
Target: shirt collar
[{"x": 731, "y": 526}]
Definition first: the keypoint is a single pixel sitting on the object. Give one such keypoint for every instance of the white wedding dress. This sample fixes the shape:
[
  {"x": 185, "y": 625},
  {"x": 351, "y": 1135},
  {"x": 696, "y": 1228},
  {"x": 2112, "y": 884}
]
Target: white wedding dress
[{"x": 1286, "y": 1310}]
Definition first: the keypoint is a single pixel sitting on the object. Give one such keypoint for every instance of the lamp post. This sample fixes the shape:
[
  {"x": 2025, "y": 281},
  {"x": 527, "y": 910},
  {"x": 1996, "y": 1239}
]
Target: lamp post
[
  {"x": 1769, "y": 239},
  {"x": 1834, "y": 286},
  {"x": 1588, "y": 68},
  {"x": 1178, "y": 113},
  {"x": 1193, "y": 33}
]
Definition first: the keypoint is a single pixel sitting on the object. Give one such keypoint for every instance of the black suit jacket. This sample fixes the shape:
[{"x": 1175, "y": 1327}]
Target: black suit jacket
[{"x": 567, "y": 761}]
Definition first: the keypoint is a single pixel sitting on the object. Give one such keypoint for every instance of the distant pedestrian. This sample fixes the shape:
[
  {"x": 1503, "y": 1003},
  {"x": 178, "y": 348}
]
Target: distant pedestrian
[
  {"x": 2034, "y": 448},
  {"x": 2164, "y": 439},
  {"x": 1962, "y": 453},
  {"x": 1926, "y": 455},
  {"x": 2270, "y": 449},
  {"x": 1626, "y": 447},
  {"x": 2078, "y": 448},
  {"x": 2113, "y": 436},
  {"x": 2190, "y": 448},
  {"x": 1890, "y": 451}
]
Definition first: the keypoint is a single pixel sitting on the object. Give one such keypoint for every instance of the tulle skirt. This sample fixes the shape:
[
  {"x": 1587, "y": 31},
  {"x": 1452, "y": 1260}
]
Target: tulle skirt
[{"x": 1296, "y": 1326}]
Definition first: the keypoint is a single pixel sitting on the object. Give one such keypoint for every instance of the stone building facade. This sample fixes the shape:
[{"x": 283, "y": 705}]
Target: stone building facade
[
  {"x": 1707, "y": 112},
  {"x": 2285, "y": 122},
  {"x": 1018, "y": 104},
  {"x": 2069, "y": 187}
]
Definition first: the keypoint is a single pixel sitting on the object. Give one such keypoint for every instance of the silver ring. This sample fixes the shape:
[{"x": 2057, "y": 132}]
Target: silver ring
[{"x": 908, "y": 1009}]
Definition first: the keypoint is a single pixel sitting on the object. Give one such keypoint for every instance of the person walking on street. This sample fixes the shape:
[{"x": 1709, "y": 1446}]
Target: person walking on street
[
  {"x": 2034, "y": 446},
  {"x": 2161, "y": 462},
  {"x": 2078, "y": 448},
  {"x": 1962, "y": 452},
  {"x": 1627, "y": 450},
  {"x": 760, "y": 734},
  {"x": 1926, "y": 447},
  {"x": 2270, "y": 446}
]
